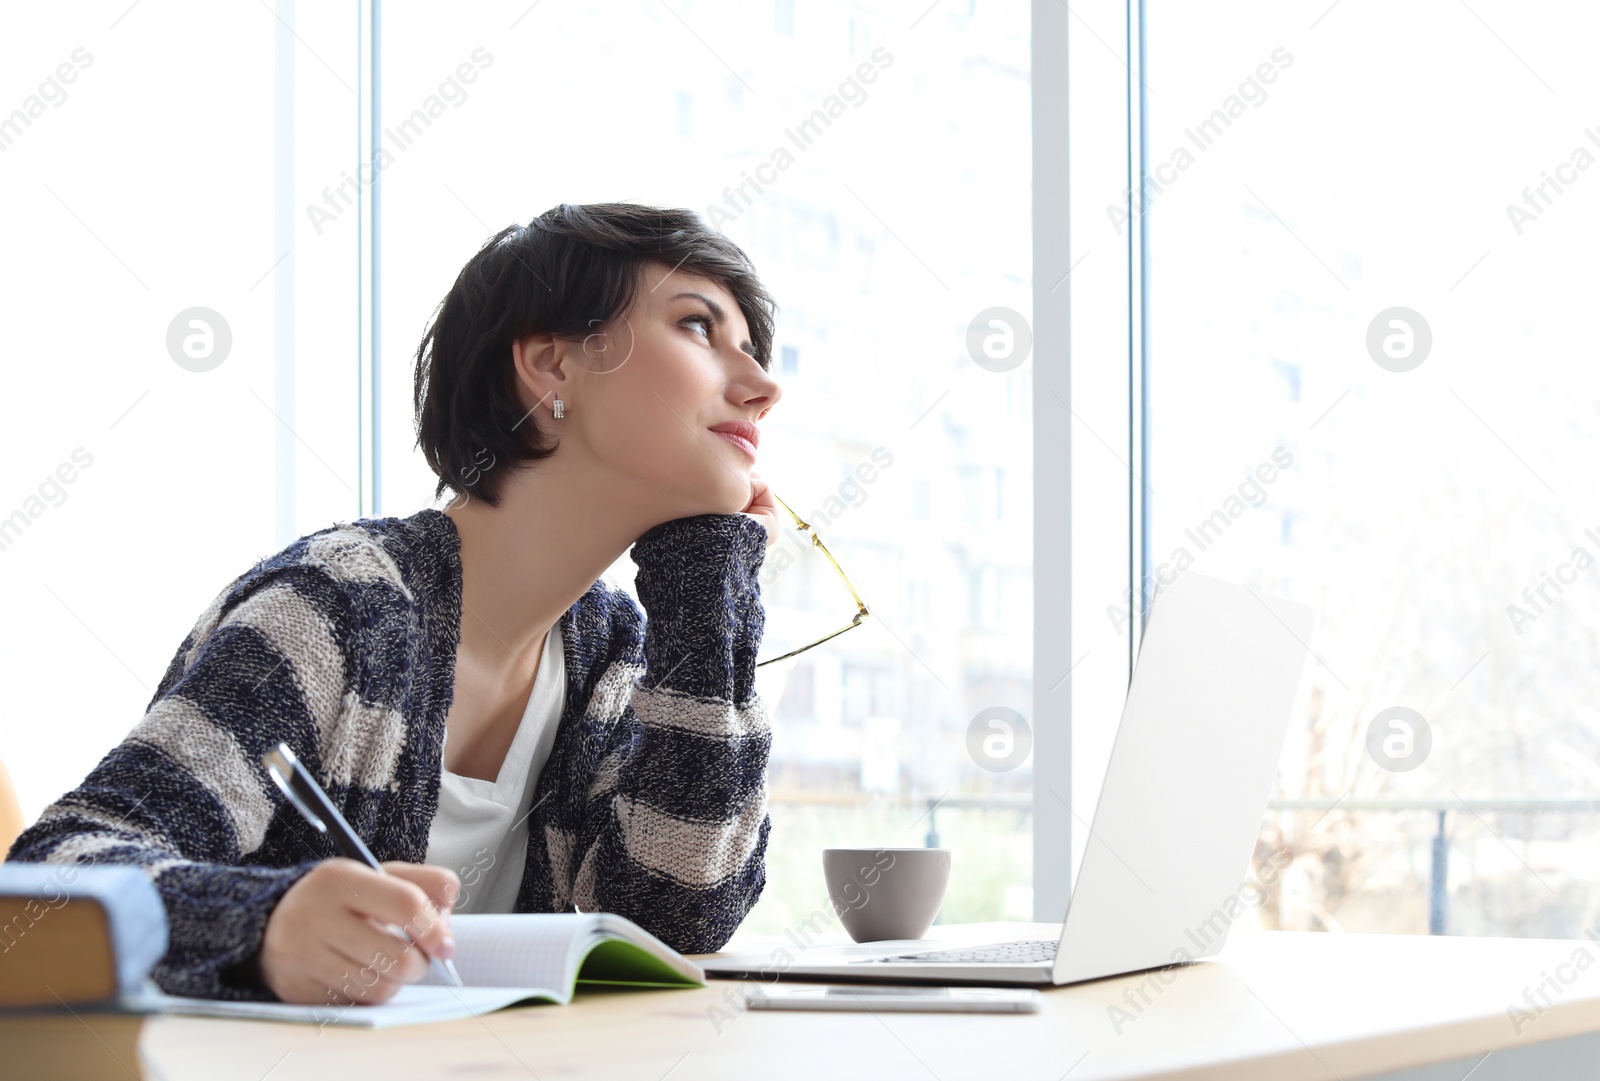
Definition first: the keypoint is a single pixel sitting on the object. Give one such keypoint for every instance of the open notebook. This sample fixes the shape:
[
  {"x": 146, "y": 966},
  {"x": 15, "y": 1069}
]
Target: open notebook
[{"x": 503, "y": 960}]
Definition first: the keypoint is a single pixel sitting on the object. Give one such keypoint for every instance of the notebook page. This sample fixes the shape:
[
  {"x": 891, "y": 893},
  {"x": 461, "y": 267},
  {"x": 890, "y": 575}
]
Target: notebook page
[
  {"x": 516, "y": 949},
  {"x": 412, "y": 1004}
]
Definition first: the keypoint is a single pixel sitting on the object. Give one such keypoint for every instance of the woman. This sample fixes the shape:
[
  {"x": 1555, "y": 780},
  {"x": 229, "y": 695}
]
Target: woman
[{"x": 503, "y": 729}]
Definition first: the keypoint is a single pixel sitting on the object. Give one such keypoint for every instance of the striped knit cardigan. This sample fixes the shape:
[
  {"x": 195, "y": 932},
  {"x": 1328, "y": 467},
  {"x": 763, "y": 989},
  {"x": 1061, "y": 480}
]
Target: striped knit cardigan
[{"x": 653, "y": 803}]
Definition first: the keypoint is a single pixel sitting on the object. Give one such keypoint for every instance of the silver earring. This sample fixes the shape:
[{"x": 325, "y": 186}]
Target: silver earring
[{"x": 559, "y": 409}]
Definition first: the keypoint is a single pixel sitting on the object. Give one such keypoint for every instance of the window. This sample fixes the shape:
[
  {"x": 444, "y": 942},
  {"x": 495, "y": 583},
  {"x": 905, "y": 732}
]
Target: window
[
  {"x": 1395, "y": 335},
  {"x": 1414, "y": 372},
  {"x": 180, "y": 269},
  {"x": 864, "y": 236}
]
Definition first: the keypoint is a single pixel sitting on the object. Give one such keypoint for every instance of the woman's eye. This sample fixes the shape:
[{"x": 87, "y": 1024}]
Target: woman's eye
[{"x": 701, "y": 320}]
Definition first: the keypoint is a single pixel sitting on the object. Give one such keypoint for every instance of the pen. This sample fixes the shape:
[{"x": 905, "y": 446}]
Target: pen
[{"x": 311, "y": 801}]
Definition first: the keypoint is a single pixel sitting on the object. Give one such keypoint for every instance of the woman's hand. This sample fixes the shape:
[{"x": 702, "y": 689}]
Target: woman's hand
[
  {"x": 325, "y": 941},
  {"x": 763, "y": 507}
]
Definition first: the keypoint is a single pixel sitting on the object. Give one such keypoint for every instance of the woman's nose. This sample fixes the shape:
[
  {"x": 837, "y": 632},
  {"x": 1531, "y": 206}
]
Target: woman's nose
[{"x": 766, "y": 391}]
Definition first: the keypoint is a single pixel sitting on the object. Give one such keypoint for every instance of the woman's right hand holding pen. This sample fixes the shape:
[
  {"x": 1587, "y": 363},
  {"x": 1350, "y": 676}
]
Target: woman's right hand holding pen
[{"x": 326, "y": 943}]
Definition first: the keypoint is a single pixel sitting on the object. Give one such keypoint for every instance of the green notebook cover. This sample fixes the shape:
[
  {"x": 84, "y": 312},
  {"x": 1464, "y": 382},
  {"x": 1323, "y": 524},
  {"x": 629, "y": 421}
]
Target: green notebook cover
[{"x": 616, "y": 962}]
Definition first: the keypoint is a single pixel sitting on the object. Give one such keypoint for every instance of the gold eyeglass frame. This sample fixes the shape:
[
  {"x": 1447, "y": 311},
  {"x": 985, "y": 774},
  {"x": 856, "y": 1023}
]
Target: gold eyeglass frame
[{"x": 816, "y": 542}]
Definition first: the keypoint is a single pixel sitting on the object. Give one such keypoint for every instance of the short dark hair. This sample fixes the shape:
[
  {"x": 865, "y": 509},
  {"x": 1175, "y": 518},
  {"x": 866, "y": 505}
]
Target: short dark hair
[{"x": 568, "y": 271}]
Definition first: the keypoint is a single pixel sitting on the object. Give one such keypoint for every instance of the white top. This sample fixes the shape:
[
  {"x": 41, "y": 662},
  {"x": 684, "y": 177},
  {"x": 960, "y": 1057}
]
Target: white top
[{"x": 481, "y": 828}]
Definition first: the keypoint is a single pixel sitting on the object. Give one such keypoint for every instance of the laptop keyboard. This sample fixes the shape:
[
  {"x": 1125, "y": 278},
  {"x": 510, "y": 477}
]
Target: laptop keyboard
[{"x": 1030, "y": 951}]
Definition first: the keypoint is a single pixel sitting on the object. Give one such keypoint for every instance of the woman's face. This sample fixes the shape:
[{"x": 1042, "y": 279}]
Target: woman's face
[{"x": 646, "y": 396}]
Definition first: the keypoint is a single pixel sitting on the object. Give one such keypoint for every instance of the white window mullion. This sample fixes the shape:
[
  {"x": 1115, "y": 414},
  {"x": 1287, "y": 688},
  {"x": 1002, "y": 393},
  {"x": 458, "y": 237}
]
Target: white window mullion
[{"x": 1085, "y": 402}]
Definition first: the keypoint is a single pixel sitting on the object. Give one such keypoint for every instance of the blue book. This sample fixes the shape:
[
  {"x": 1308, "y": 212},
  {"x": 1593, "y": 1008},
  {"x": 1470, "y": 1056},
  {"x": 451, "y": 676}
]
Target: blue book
[{"x": 75, "y": 934}]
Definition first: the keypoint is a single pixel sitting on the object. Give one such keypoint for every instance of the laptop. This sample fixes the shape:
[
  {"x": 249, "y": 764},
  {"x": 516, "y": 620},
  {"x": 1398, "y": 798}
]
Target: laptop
[{"x": 1188, "y": 779}]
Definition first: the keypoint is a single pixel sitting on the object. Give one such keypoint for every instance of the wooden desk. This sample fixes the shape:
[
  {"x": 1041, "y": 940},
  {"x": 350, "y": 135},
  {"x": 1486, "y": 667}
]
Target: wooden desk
[{"x": 1277, "y": 1006}]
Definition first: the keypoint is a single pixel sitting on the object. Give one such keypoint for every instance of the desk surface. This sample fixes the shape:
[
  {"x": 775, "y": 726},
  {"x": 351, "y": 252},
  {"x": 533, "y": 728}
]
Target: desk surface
[{"x": 1275, "y": 1005}]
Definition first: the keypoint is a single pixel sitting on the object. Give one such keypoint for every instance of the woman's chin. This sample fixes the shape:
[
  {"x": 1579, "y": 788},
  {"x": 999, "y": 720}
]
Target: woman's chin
[
  {"x": 731, "y": 496},
  {"x": 729, "y": 505}
]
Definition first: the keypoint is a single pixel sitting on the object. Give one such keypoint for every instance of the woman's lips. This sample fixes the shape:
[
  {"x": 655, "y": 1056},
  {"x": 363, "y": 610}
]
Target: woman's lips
[{"x": 738, "y": 441}]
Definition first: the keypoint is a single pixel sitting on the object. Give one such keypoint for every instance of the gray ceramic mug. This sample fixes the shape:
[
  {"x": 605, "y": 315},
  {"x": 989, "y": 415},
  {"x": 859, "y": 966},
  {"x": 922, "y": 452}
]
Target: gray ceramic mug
[{"x": 881, "y": 893}]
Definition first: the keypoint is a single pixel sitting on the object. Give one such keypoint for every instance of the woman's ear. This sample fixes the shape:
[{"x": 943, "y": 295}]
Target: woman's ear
[{"x": 540, "y": 363}]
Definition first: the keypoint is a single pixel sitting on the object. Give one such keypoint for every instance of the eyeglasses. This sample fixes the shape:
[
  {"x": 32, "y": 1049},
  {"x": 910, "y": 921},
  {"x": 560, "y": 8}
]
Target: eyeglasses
[{"x": 816, "y": 542}]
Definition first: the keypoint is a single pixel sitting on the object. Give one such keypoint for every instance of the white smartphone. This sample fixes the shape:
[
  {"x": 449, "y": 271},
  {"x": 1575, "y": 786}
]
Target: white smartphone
[{"x": 876, "y": 998}]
